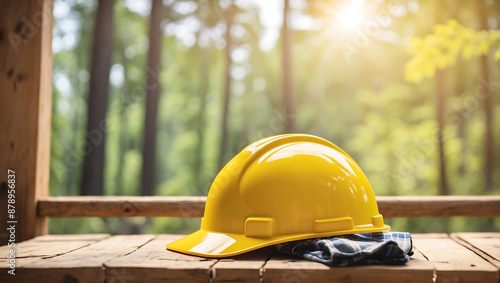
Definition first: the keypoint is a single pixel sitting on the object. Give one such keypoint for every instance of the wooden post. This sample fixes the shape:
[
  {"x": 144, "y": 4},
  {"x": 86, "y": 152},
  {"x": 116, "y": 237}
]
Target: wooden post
[{"x": 25, "y": 113}]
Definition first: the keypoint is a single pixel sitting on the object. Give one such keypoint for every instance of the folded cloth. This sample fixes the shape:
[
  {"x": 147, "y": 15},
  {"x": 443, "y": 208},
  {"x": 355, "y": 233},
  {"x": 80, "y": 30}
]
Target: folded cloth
[{"x": 366, "y": 248}]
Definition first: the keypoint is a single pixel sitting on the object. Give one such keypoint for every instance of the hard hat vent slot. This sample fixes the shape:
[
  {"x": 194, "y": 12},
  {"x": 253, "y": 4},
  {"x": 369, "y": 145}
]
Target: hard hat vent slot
[
  {"x": 333, "y": 224},
  {"x": 260, "y": 227}
]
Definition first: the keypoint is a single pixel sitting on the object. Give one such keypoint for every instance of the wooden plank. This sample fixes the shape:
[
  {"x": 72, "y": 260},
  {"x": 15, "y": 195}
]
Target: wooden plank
[
  {"x": 486, "y": 245},
  {"x": 193, "y": 206},
  {"x": 439, "y": 206},
  {"x": 154, "y": 263},
  {"x": 453, "y": 262},
  {"x": 25, "y": 118},
  {"x": 81, "y": 265},
  {"x": 42, "y": 247},
  {"x": 51, "y": 245},
  {"x": 280, "y": 269},
  {"x": 430, "y": 235},
  {"x": 110, "y": 206},
  {"x": 247, "y": 267}
]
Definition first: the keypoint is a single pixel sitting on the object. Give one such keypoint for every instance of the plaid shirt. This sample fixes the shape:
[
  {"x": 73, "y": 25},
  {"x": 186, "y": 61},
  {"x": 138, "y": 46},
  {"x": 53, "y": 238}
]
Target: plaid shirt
[{"x": 366, "y": 248}]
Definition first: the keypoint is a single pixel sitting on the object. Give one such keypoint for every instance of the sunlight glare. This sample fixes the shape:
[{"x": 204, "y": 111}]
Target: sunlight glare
[{"x": 351, "y": 17}]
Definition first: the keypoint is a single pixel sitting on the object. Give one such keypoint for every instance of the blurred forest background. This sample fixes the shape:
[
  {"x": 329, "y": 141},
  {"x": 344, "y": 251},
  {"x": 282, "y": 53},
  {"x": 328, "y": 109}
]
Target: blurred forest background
[{"x": 152, "y": 97}]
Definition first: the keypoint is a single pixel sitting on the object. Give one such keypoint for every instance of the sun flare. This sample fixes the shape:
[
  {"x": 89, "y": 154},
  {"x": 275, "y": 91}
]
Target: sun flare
[{"x": 351, "y": 17}]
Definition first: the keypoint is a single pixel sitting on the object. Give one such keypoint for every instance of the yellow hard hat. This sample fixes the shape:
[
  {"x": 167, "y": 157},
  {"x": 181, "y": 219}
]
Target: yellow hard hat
[{"x": 279, "y": 189}]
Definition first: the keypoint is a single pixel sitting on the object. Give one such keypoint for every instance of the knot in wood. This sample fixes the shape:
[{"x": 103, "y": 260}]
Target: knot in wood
[
  {"x": 20, "y": 77},
  {"x": 129, "y": 208}
]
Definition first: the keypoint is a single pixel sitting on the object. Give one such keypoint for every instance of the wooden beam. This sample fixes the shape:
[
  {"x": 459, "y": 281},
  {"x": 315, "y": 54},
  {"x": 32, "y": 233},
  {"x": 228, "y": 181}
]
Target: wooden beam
[
  {"x": 390, "y": 207},
  {"x": 25, "y": 118},
  {"x": 439, "y": 206},
  {"x": 121, "y": 206}
]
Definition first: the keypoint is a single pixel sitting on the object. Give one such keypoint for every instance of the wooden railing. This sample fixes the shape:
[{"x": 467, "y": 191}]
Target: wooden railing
[{"x": 389, "y": 206}]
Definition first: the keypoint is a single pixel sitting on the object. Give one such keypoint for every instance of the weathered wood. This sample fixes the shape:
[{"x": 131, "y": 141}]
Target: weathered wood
[
  {"x": 110, "y": 206},
  {"x": 439, "y": 206},
  {"x": 153, "y": 263},
  {"x": 247, "y": 267},
  {"x": 25, "y": 118},
  {"x": 143, "y": 258},
  {"x": 42, "y": 247},
  {"x": 486, "y": 245},
  {"x": 193, "y": 206},
  {"x": 51, "y": 245},
  {"x": 453, "y": 262},
  {"x": 280, "y": 269},
  {"x": 81, "y": 265}
]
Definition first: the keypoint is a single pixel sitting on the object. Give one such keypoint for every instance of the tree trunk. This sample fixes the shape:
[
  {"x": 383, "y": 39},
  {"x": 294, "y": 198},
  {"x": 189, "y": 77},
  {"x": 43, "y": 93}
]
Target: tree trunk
[
  {"x": 462, "y": 113},
  {"x": 440, "y": 108},
  {"x": 98, "y": 99},
  {"x": 152, "y": 90},
  {"x": 440, "y": 113},
  {"x": 486, "y": 95},
  {"x": 124, "y": 119},
  {"x": 289, "y": 110},
  {"x": 227, "y": 93},
  {"x": 462, "y": 116},
  {"x": 205, "y": 74}
]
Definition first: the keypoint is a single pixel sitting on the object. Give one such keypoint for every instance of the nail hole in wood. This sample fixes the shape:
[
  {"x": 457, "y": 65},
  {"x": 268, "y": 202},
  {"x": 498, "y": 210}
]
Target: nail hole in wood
[
  {"x": 129, "y": 208},
  {"x": 20, "y": 77},
  {"x": 3, "y": 186},
  {"x": 1, "y": 35},
  {"x": 10, "y": 73}
]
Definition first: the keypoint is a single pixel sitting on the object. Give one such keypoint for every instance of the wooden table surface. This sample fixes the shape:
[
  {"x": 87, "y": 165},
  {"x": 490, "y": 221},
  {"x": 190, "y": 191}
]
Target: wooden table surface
[{"x": 460, "y": 257}]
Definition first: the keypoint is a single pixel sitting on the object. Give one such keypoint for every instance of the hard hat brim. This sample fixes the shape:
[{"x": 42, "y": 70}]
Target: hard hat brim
[{"x": 217, "y": 245}]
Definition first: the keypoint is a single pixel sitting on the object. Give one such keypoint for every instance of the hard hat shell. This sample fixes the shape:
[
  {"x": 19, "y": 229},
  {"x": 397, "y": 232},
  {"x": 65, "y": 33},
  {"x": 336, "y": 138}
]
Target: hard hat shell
[{"x": 279, "y": 189}]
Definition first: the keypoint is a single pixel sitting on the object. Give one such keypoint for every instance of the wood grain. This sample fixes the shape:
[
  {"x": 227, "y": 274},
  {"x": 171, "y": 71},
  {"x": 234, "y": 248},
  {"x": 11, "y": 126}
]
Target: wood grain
[
  {"x": 81, "y": 265},
  {"x": 154, "y": 263},
  {"x": 247, "y": 267},
  {"x": 40, "y": 248},
  {"x": 143, "y": 258},
  {"x": 439, "y": 206},
  {"x": 486, "y": 245},
  {"x": 280, "y": 269},
  {"x": 25, "y": 110},
  {"x": 453, "y": 262},
  {"x": 111, "y": 206},
  {"x": 51, "y": 245},
  {"x": 193, "y": 206}
]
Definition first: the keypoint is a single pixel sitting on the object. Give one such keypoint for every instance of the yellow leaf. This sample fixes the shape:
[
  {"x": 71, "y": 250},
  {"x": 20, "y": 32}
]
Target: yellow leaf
[
  {"x": 483, "y": 47},
  {"x": 441, "y": 61},
  {"x": 467, "y": 52},
  {"x": 429, "y": 69},
  {"x": 497, "y": 54}
]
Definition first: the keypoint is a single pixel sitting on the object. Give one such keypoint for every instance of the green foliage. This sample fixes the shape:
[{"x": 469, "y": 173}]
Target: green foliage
[{"x": 440, "y": 49}]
